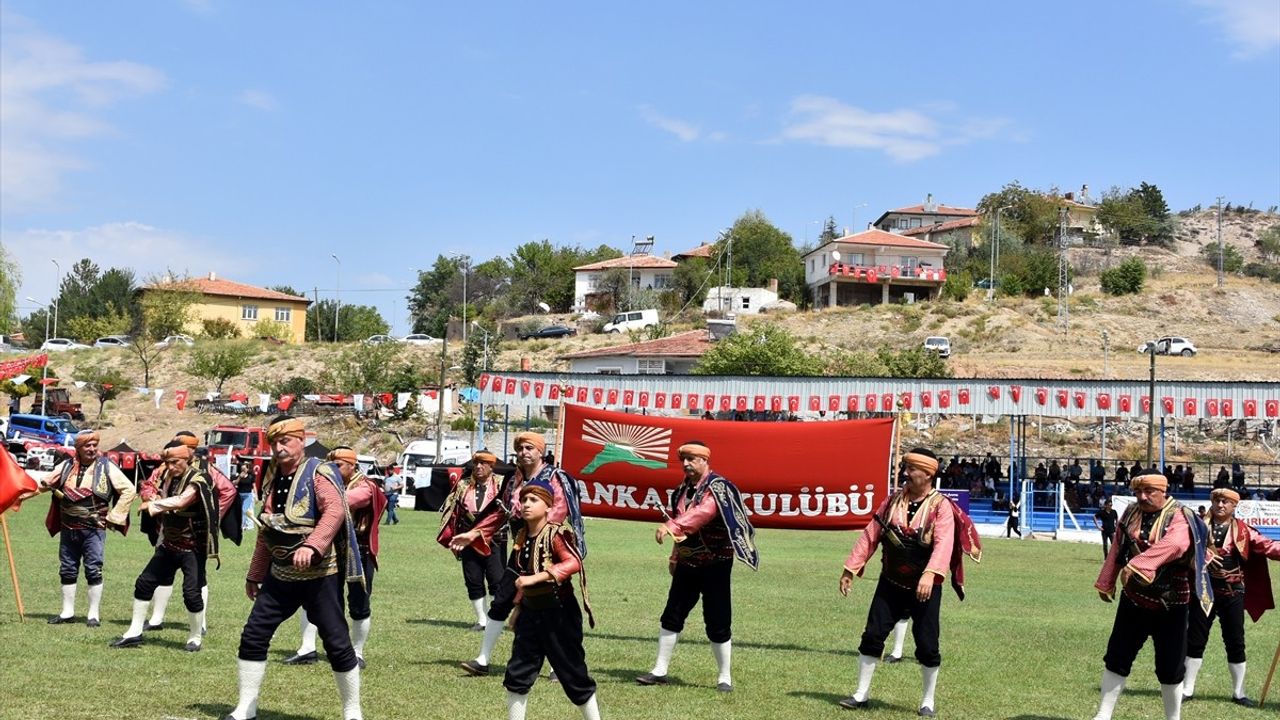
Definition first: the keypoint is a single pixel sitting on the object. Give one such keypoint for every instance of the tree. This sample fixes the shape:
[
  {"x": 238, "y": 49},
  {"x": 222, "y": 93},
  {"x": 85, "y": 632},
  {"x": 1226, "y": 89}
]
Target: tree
[
  {"x": 1126, "y": 278},
  {"x": 762, "y": 349},
  {"x": 430, "y": 302},
  {"x": 34, "y": 326},
  {"x": 1029, "y": 214},
  {"x": 105, "y": 384},
  {"x": 1268, "y": 244},
  {"x": 1232, "y": 260},
  {"x": 830, "y": 231},
  {"x": 10, "y": 281},
  {"x": 543, "y": 273},
  {"x": 689, "y": 281},
  {"x": 362, "y": 369},
  {"x": 220, "y": 361},
  {"x": 19, "y": 390},
  {"x": 762, "y": 252},
  {"x": 915, "y": 362},
  {"x": 474, "y": 357},
  {"x": 957, "y": 285},
  {"x": 615, "y": 286},
  {"x": 219, "y": 328},
  {"x": 165, "y": 308},
  {"x": 87, "y": 328},
  {"x": 1138, "y": 215},
  {"x": 355, "y": 322}
]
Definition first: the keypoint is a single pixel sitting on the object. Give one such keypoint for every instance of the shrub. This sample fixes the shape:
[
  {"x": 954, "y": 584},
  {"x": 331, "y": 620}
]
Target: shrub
[
  {"x": 272, "y": 330},
  {"x": 957, "y": 286},
  {"x": 1232, "y": 261},
  {"x": 220, "y": 329},
  {"x": 1126, "y": 278}
]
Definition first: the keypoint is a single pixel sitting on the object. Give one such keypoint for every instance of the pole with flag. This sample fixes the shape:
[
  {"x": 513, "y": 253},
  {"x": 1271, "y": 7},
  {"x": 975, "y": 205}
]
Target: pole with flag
[
  {"x": 1270, "y": 674},
  {"x": 15, "y": 483}
]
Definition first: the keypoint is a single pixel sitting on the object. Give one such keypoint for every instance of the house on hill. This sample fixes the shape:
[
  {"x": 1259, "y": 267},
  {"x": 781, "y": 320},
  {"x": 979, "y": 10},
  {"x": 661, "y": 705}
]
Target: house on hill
[
  {"x": 648, "y": 272},
  {"x": 961, "y": 234},
  {"x": 672, "y": 355},
  {"x": 242, "y": 305},
  {"x": 874, "y": 266},
  {"x": 918, "y": 216}
]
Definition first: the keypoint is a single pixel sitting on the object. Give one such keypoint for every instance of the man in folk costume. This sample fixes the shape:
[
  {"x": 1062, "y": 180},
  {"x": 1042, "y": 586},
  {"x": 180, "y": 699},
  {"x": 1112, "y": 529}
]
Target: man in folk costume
[
  {"x": 471, "y": 527},
  {"x": 547, "y": 621},
  {"x": 366, "y": 503},
  {"x": 187, "y": 512},
  {"x": 90, "y": 494},
  {"x": 224, "y": 493},
  {"x": 531, "y": 465},
  {"x": 925, "y": 537},
  {"x": 1158, "y": 560},
  {"x": 306, "y": 551},
  {"x": 710, "y": 528},
  {"x": 1238, "y": 557}
]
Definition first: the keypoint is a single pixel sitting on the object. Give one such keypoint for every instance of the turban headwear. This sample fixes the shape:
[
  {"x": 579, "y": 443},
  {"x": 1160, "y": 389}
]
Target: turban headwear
[
  {"x": 484, "y": 456},
  {"x": 922, "y": 462},
  {"x": 1152, "y": 481},
  {"x": 540, "y": 488},
  {"x": 346, "y": 454},
  {"x": 177, "y": 451},
  {"x": 190, "y": 441},
  {"x": 533, "y": 438},
  {"x": 86, "y": 436},
  {"x": 695, "y": 450},
  {"x": 291, "y": 427},
  {"x": 1227, "y": 493}
]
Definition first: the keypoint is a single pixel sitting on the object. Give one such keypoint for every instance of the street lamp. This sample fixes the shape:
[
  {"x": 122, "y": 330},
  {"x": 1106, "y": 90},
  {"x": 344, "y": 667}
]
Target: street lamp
[
  {"x": 444, "y": 342},
  {"x": 480, "y": 423},
  {"x": 466, "y": 270},
  {"x": 995, "y": 253},
  {"x": 44, "y": 371},
  {"x": 57, "y": 294},
  {"x": 337, "y": 294}
]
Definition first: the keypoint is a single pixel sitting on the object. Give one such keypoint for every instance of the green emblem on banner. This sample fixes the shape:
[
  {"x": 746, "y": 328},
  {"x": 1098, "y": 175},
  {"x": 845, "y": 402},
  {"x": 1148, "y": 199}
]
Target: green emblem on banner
[{"x": 639, "y": 445}]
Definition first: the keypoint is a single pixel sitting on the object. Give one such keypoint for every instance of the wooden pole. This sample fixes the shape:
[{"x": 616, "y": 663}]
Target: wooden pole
[
  {"x": 897, "y": 447},
  {"x": 1262, "y": 701},
  {"x": 17, "y": 590},
  {"x": 559, "y": 446}
]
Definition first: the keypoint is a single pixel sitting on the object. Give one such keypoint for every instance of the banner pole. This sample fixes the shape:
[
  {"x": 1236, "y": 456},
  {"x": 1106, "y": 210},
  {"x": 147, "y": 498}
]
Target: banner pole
[
  {"x": 559, "y": 446},
  {"x": 1270, "y": 674},
  {"x": 897, "y": 448},
  {"x": 17, "y": 590}
]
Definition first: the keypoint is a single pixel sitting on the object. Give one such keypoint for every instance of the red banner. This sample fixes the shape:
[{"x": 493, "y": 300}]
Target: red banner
[
  {"x": 790, "y": 473},
  {"x": 13, "y": 368}
]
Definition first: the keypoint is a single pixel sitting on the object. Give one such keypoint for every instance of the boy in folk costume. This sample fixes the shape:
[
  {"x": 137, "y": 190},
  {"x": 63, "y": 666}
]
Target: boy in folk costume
[
  {"x": 547, "y": 620},
  {"x": 471, "y": 527},
  {"x": 924, "y": 536},
  {"x": 1237, "y": 568}
]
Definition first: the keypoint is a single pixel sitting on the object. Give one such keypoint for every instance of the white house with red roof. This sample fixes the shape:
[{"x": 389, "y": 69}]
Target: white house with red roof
[
  {"x": 874, "y": 266},
  {"x": 672, "y": 355},
  {"x": 648, "y": 272},
  {"x": 923, "y": 215}
]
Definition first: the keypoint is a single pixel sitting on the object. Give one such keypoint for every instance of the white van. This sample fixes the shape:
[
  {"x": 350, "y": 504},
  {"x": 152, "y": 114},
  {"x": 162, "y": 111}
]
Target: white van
[
  {"x": 632, "y": 320},
  {"x": 422, "y": 453}
]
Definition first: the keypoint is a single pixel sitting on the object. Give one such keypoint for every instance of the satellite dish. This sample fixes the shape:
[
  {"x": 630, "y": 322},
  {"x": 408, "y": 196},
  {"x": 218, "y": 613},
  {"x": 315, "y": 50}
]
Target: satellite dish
[
  {"x": 835, "y": 255},
  {"x": 545, "y": 307}
]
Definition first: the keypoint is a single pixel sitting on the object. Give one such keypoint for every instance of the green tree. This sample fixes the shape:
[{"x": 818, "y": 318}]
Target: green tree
[
  {"x": 762, "y": 252},
  {"x": 355, "y": 322},
  {"x": 430, "y": 302},
  {"x": 87, "y": 328},
  {"x": 165, "y": 308},
  {"x": 361, "y": 369},
  {"x": 10, "y": 281},
  {"x": 1125, "y": 278},
  {"x": 105, "y": 384},
  {"x": 1138, "y": 215},
  {"x": 219, "y": 361},
  {"x": 830, "y": 231},
  {"x": 913, "y": 362},
  {"x": 33, "y": 327},
  {"x": 474, "y": 357},
  {"x": 219, "y": 328},
  {"x": 1268, "y": 244},
  {"x": 1029, "y": 271},
  {"x": 542, "y": 272},
  {"x": 19, "y": 390},
  {"x": 267, "y": 329},
  {"x": 1232, "y": 260},
  {"x": 689, "y": 281},
  {"x": 1028, "y": 214},
  {"x": 957, "y": 285},
  {"x": 761, "y": 349}
]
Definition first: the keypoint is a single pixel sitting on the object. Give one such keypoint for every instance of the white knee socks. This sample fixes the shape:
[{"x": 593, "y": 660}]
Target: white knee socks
[
  {"x": 866, "y": 669},
  {"x": 95, "y": 601},
  {"x": 724, "y": 656},
  {"x": 359, "y": 635},
  {"x": 929, "y": 677},
  {"x": 68, "y": 601},
  {"x": 478, "y": 605},
  {"x": 139, "y": 617},
  {"x": 666, "y": 646},
  {"x": 590, "y": 710},
  {"x": 251, "y": 672},
  {"x": 516, "y": 705},
  {"x": 195, "y": 625},
  {"x": 308, "y": 644},
  {"x": 1112, "y": 686},
  {"x": 349, "y": 691},
  {"x": 899, "y": 638},
  {"x": 159, "y": 602},
  {"x": 492, "y": 629},
  {"x": 1189, "y": 680},
  {"x": 1172, "y": 696},
  {"x": 1237, "y": 679},
  {"x": 204, "y": 598}
]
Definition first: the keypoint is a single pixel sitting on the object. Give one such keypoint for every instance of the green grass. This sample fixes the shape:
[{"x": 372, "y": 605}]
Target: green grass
[{"x": 1026, "y": 645}]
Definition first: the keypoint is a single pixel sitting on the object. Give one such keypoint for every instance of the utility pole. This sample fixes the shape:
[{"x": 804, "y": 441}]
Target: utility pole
[
  {"x": 1151, "y": 406},
  {"x": 337, "y": 295},
  {"x": 1064, "y": 309},
  {"x": 444, "y": 343},
  {"x": 315, "y": 299},
  {"x": 1219, "y": 242},
  {"x": 1106, "y": 346}
]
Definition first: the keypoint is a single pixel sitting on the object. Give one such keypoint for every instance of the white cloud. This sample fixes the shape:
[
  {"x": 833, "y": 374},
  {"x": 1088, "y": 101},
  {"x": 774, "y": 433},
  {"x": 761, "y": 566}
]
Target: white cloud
[
  {"x": 1254, "y": 25},
  {"x": 51, "y": 97},
  {"x": 905, "y": 135},
  {"x": 260, "y": 99},
  {"x": 686, "y": 131},
  {"x": 147, "y": 250}
]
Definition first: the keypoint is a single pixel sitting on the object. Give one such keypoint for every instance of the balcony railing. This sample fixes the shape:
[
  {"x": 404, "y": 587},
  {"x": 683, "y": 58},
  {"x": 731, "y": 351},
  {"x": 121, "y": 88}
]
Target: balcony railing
[{"x": 876, "y": 273}]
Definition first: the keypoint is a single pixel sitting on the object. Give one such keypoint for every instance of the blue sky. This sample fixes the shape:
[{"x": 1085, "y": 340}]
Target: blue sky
[{"x": 256, "y": 139}]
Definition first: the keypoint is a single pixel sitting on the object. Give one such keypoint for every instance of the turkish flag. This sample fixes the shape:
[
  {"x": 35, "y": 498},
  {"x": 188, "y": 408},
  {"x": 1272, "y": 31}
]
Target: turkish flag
[
  {"x": 1189, "y": 406},
  {"x": 676, "y": 401},
  {"x": 926, "y": 399},
  {"x": 1273, "y": 408},
  {"x": 1015, "y": 392},
  {"x": 815, "y": 403},
  {"x": 726, "y": 403},
  {"x": 693, "y": 401},
  {"x": 1062, "y": 398},
  {"x": 1146, "y": 403},
  {"x": 833, "y": 403},
  {"x": 554, "y": 394},
  {"x": 181, "y": 396},
  {"x": 1080, "y": 400},
  {"x": 582, "y": 395},
  {"x": 1042, "y": 395},
  {"x": 906, "y": 401},
  {"x": 852, "y": 405},
  {"x": 886, "y": 402},
  {"x": 740, "y": 403},
  {"x": 14, "y": 482},
  {"x": 613, "y": 396},
  {"x": 944, "y": 399},
  {"x": 628, "y": 465},
  {"x": 597, "y": 395},
  {"x": 758, "y": 403},
  {"x": 1166, "y": 403},
  {"x": 644, "y": 398},
  {"x": 524, "y": 387},
  {"x": 1251, "y": 408},
  {"x": 793, "y": 403},
  {"x": 775, "y": 403},
  {"x": 994, "y": 392},
  {"x": 1104, "y": 401},
  {"x": 1227, "y": 408},
  {"x": 660, "y": 400},
  {"x": 511, "y": 386},
  {"x": 1211, "y": 407},
  {"x": 484, "y": 381},
  {"x": 1126, "y": 403},
  {"x": 538, "y": 387},
  {"x": 628, "y": 397},
  {"x": 963, "y": 396},
  {"x": 872, "y": 402},
  {"x": 708, "y": 402}
]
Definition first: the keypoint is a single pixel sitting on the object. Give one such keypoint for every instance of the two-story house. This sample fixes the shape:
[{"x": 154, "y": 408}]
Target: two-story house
[
  {"x": 647, "y": 272},
  {"x": 874, "y": 266},
  {"x": 240, "y": 304},
  {"x": 962, "y": 234},
  {"x": 923, "y": 215}
]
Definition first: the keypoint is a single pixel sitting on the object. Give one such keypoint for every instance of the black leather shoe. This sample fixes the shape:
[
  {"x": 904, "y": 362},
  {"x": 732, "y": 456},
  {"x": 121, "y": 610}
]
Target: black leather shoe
[
  {"x": 724, "y": 687},
  {"x": 93, "y": 622},
  {"x": 126, "y": 642},
  {"x": 1244, "y": 702},
  {"x": 893, "y": 660},
  {"x": 651, "y": 679},
  {"x": 152, "y": 628},
  {"x": 851, "y": 703},
  {"x": 304, "y": 659},
  {"x": 59, "y": 620},
  {"x": 192, "y": 646},
  {"x": 927, "y": 712},
  {"x": 474, "y": 668}
]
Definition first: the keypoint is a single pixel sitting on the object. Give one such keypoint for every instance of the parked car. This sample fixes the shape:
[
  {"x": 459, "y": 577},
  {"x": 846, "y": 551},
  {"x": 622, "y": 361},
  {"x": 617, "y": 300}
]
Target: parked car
[
  {"x": 1169, "y": 345},
  {"x": 41, "y": 427},
  {"x": 550, "y": 331},
  {"x": 939, "y": 345},
  {"x": 419, "y": 339},
  {"x": 173, "y": 340},
  {"x": 112, "y": 341},
  {"x": 632, "y": 320},
  {"x": 380, "y": 340},
  {"x": 62, "y": 345}
]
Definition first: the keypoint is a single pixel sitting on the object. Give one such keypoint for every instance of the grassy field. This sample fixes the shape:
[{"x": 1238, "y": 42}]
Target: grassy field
[{"x": 1026, "y": 645}]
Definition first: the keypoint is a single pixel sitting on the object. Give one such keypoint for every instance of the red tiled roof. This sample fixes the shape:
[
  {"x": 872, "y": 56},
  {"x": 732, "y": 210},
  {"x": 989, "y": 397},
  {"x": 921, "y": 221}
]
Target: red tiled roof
[
  {"x": 687, "y": 344},
  {"x": 943, "y": 227},
  {"x": 230, "y": 288},
  {"x": 882, "y": 238},
  {"x": 938, "y": 210},
  {"x": 631, "y": 261},
  {"x": 703, "y": 251}
]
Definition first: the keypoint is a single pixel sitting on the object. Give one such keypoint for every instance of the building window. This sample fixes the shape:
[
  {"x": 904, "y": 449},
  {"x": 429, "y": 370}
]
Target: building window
[
  {"x": 855, "y": 259},
  {"x": 903, "y": 223},
  {"x": 915, "y": 222},
  {"x": 661, "y": 282},
  {"x": 746, "y": 302},
  {"x": 609, "y": 371},
  {"x": 813, "y": 264},
  {"x": 652, "y": 367},
  {"x": 593, "y": 280},
  {"x": 284, "y": 315},
  {"x": 248, "y": 312}
]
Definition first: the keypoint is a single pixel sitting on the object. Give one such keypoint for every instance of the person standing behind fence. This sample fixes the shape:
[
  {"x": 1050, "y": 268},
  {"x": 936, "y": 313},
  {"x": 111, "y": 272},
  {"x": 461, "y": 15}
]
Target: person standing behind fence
[
  {"x": 244, "y": 487},
  {"x": 1105, "y": 520}
]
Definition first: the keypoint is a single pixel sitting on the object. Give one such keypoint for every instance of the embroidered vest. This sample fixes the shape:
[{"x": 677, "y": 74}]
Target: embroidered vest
[
  {"x": 86, "y": 507},
  {"x": 187, "y": 528},
  {"x": 285, "y": 529}
]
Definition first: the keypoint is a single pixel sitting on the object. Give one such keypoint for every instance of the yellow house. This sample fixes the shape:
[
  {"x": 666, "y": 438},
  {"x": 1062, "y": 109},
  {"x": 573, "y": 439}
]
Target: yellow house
[{"x": 244, "y": 306}]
